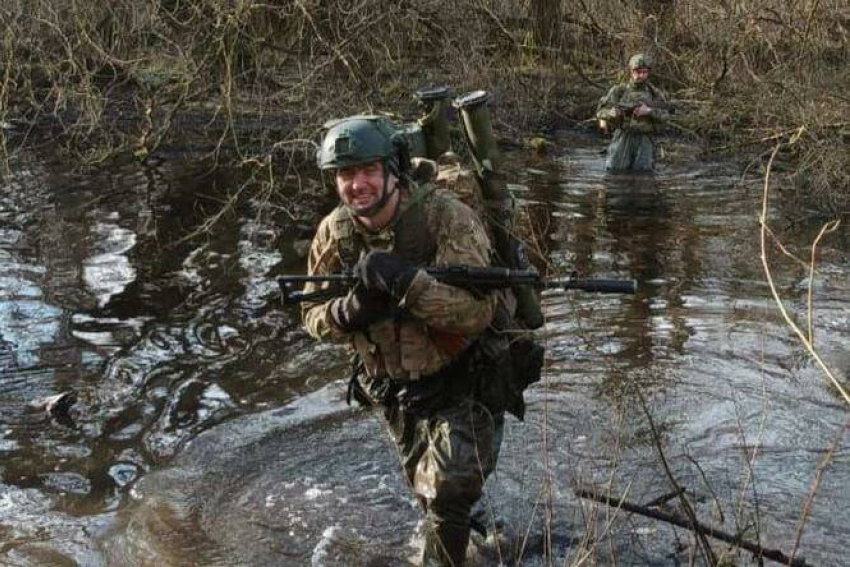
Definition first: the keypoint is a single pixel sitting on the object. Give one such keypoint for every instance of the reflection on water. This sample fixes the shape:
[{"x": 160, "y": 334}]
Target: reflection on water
[
  {"x": 738, "y": 403},
  {"x": 108, "y": 272},
  {"x": 159, "y": 337},
  {"x": 27, "y": 319},
  {"x": 206, "y": 419}
]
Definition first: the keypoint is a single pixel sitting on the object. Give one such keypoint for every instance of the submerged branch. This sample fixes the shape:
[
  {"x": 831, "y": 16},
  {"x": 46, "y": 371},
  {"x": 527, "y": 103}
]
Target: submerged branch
[
  {"x": 705, "y": 547},
  {"x": 807, "y": 507},
  {"x": 590, "y": 493}
]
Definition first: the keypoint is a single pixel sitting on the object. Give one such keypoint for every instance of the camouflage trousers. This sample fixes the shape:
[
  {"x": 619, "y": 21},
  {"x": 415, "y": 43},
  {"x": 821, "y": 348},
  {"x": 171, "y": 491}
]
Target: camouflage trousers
[
  {"x": 447, "y": 455},
  {"x": 630, "y": 151}
]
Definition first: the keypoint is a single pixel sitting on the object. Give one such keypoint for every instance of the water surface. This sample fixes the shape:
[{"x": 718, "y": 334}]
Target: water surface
[{"x": 210, "y": 430}]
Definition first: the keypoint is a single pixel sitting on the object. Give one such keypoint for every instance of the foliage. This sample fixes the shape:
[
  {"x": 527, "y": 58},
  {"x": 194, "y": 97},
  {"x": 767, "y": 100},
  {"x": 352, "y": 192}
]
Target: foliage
[{"x": 120, "y": 76}]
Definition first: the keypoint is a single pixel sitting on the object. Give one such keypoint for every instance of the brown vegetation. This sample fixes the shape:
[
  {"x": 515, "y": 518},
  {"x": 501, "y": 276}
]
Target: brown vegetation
[{"x": 128, "y": 75}]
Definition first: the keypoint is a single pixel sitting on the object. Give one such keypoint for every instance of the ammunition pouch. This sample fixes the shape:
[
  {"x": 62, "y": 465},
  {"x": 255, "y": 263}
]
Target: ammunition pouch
[
  {"x": 504, "y": 377},
  {"x": 424, "y": 396},
  {"x": 495, "y": 371},
  {"x": 505, "y": 362}
]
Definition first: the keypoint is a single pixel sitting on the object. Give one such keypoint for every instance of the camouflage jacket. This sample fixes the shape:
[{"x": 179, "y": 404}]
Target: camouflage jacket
[
  {"x": 628, "y": 95},
  {"x": 438, "y": 321}
]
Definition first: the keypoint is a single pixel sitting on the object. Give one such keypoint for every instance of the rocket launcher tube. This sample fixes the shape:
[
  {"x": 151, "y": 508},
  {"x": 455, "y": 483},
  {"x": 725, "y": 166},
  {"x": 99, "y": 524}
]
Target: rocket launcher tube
[
  {"x": 434, "y": 102},
  {"x": 478, "y": 131},
  {"x": 475, "y": 116}
]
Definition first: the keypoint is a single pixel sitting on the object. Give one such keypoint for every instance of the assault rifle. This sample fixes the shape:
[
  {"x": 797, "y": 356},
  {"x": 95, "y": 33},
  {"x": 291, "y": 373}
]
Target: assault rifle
[
  {"x": 627, "y": 109},
  {"x": 468, "y": 277}
]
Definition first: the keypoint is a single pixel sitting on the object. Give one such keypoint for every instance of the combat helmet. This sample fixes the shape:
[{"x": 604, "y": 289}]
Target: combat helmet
[
  {"x": 640, "y": 61},
  {"x": 362, "y": 139}
]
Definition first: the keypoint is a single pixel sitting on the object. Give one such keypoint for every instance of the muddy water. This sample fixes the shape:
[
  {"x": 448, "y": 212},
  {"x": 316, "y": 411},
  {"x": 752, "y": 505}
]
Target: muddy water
[{"x": 209, "y": 430}]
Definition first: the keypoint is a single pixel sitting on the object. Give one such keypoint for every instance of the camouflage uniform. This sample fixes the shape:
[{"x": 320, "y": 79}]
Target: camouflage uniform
[
  {"x": 419, "y": 366},
  {"x": 632, "y": 147}
]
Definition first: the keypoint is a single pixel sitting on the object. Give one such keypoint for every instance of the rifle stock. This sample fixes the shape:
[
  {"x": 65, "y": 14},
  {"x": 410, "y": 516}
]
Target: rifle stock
[{"x": 469, "y": 277}]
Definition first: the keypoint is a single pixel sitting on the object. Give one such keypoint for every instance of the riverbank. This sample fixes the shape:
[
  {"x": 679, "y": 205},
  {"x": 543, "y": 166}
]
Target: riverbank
[{"x": 249, "y": 81}]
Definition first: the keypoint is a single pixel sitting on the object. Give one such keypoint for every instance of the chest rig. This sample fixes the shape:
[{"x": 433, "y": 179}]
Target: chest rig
[
  {"x": 499, "y": 366},
  {"x": 409, "y": 235},
  {"x": 632, "y": 95}
]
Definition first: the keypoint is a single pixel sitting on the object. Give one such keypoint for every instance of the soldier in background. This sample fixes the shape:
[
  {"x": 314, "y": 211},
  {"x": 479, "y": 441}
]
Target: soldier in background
[
  {"x": 634, "y": 110},
  {"x": 419, "y": 340}
]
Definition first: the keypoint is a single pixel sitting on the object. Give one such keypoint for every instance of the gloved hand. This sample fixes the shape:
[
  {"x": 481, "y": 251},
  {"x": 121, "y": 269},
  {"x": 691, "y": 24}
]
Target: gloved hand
[
  {"x": 361, "y": 308},
  {"x": 642, "y": 110},
  {"x": 385, "y": 272}
]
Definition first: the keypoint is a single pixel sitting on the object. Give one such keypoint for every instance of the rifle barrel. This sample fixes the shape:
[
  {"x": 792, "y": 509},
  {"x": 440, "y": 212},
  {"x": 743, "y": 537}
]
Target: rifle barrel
[
  {"x": 328, "y": 278},
  {"x": 594, "y": 285}
]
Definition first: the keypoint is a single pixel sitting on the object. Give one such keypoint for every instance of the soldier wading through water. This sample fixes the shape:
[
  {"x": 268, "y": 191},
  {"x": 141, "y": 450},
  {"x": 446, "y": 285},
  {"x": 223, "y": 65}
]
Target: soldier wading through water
[
  {"x": 634, "y": 110},
  {"x": 426, "y": 348}
]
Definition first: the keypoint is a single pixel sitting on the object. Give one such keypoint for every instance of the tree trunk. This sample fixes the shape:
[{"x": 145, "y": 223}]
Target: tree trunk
[
  {"x": 547, "y": 16},
  {"x": 659, "y": 18}
]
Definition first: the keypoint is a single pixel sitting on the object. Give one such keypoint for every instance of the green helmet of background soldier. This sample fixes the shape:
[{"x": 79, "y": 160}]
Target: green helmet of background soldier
[
  {"x": 640, "y": 61},
  {"x": 363, "y": 139}
]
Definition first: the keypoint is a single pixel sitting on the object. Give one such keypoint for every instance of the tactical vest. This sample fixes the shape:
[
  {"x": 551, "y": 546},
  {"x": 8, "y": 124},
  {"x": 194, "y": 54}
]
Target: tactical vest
[
  {"x": 412, "y": 241},
  {"x": 500, "y": 364},
  {"x": 650, "y": 95}
]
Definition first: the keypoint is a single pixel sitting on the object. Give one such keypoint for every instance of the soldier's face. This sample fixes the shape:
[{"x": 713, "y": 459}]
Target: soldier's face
[
  {"x": 640, "y": 75},
  {"x": 361, "y": 186}
]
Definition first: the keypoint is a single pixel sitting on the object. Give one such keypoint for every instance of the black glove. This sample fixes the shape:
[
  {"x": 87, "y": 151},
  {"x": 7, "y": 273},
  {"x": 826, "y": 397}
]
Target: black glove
[
  {"x": 361, "y": 308},
  {"x": 385, "y": 272}
]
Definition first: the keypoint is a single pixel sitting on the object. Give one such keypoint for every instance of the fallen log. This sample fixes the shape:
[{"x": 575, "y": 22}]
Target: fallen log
[{"x": 676, "y": 520}]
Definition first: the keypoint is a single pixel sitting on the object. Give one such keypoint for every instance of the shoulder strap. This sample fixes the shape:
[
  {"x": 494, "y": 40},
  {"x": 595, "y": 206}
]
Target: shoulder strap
[
  {"x": 413, "y": 239},
  {"x": 616, "y": 93},
  {"x": 347, "y": 239},
  {"x": 657, "y": 94}
]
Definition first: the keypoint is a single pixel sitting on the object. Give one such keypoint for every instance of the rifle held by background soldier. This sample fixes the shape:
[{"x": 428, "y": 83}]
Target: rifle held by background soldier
[{"x": 627, "y": 109}]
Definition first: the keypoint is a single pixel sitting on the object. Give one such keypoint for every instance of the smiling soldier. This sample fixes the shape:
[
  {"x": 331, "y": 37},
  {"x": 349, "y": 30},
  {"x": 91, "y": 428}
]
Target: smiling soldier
[{"x": 416, "y": 337}]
